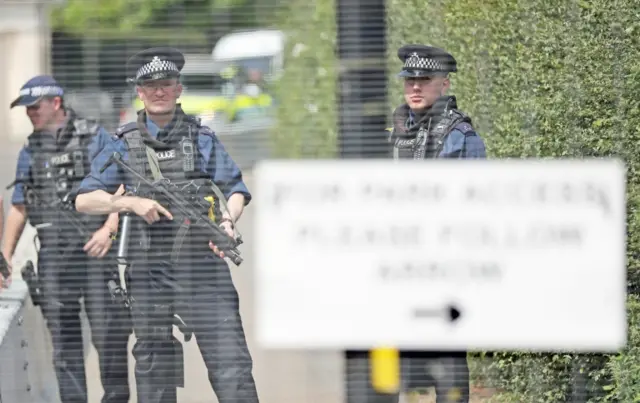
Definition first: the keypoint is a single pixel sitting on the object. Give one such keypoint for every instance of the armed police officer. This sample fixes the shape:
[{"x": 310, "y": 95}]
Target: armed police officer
[
  {"x": 429, "y": 125},
  {"x": 174, "y": 273},
  {"x": 71, "y": 257}
]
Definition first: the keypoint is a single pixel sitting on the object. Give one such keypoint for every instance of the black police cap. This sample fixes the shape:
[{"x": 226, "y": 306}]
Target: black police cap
[
  {"x": 425, "y": 61},
  {"x": 154, "y": 64}
]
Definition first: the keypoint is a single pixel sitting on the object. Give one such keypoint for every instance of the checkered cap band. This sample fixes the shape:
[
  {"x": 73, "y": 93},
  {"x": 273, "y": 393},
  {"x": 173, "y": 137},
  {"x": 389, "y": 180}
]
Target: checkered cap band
[
  {"x": 156, "y": 66},
  {"x": 422, "y": 63},
  {"x": 42, "y": 91}
]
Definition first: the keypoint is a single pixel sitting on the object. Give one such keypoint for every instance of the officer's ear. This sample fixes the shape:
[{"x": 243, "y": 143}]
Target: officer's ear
[
  {"x": 179, "y": 89},
  {"x": 445, "y": 86},
  {"x": 58, "y": 103},
  {"x": 139, "y": 92}
]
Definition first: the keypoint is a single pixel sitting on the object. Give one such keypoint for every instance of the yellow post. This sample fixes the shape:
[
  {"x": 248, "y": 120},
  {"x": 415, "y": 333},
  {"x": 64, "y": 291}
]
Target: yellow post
[{"x": 385, "y": 370}]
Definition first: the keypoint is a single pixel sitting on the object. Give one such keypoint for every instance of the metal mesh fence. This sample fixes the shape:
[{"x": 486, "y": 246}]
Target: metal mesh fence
[{"x": 294, "y": 80}]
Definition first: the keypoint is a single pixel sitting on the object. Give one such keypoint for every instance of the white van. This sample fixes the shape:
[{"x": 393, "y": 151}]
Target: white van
[{"x": 260, "y": 49}]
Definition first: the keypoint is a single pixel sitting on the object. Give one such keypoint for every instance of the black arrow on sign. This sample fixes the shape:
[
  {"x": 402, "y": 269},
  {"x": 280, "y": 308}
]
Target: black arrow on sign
[{"x": 450, "y": 313}]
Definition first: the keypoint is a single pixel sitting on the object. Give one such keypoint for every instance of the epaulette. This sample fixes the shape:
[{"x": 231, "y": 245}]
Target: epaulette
[
  {"x": 206, "y": 130},
  {"x": 389, "y": 129},
  {"x": 124, "y": 129},
  {"x": 465, "y": 127},
  {"x": 85, "y": 126}
]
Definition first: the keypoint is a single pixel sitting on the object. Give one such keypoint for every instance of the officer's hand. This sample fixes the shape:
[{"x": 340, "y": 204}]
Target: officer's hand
[
  {"x": 99, "y": 244},
  {"x": 6, "y": 281},
  {"x": 228, "y": 228},
  {"x": 149, "y": 210}
]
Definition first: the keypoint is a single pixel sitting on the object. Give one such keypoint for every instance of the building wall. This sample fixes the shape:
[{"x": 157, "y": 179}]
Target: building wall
[{"x": 23, "y": 44}]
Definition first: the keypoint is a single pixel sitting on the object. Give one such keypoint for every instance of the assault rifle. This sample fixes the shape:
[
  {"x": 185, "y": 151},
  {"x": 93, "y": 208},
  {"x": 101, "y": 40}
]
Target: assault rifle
[{"x": 191, "y": 210}]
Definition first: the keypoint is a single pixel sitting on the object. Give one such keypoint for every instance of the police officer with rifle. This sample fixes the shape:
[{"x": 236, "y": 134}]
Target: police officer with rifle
[
  {"x": 72, "y": 249},
  {"x": 428, "y": 125},
  {"x": 184, "y": 197}
]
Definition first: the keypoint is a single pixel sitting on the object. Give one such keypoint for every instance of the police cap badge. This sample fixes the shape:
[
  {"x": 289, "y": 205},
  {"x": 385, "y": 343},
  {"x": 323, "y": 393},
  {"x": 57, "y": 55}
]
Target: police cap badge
[
  {"x": 425, "y": 61},
  {"x": 154, "y": 64}
]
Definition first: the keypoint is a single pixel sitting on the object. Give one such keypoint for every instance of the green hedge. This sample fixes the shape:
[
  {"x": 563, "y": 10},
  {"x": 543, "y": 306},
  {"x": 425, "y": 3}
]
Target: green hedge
[{"x": 541, "y": 79}]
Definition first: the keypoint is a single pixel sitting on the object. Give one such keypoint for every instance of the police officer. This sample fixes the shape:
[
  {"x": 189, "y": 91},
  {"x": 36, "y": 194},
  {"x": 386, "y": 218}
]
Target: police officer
[
  {"x": 53, "y": 161},
  {"x": 174, "y": 273},
  {"x": 429, "y": 125}
]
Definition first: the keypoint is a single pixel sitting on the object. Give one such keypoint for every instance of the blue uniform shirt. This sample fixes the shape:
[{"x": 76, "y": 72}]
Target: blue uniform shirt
[
  {"x": 463, "y": 142},
  {"x": 215, "y": 161},
  {"x": 24, "y": 162}
]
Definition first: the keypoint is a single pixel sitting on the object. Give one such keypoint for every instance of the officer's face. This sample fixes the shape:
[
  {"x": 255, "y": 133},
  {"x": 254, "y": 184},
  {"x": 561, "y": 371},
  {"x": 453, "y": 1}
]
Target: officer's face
[
  {"x": 42, "y": 114},
  {"x": 422, "y": 92},
  {"x": 160, "y": 96}
]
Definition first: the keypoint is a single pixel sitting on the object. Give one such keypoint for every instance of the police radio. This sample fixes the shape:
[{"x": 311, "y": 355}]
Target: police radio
[
  {"x": 78, "y": 164},
  {"x": 188, "y": 164}
]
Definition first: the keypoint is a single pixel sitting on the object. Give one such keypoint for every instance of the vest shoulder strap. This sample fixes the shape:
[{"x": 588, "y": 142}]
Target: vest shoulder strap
[
  {"x": 135, "y": 146},
  {"x": 141, "y": 156},
  {"x": 460, "y": 117},
  {"x": 451, "y": 120},
  {"x": 195, "y": 120},
  {"x": 126, "y": 128}
]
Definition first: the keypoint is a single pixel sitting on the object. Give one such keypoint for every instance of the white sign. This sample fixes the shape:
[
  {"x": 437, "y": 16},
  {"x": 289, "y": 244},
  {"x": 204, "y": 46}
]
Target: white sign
[{"x": 441, "y": 255}]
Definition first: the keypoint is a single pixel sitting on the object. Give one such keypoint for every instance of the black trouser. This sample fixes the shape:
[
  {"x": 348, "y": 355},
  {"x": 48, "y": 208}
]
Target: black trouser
[
  {"x": 202, "y": 293},
  {"x": 65, "y": 278},
  {"x": 447, "y": 372}
]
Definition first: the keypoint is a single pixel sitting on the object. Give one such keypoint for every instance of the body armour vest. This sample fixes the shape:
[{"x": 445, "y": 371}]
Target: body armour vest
[
  {"x": 58, "y": 166},
  {"x": 179, "y": 162},
  {"x": 176, "y": 149},
  {"x": 425, "y": 138}
]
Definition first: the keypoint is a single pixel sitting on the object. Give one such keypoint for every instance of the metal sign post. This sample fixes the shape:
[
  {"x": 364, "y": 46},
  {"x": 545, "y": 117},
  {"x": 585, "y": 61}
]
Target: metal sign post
[{"x": 362, "y": 112}]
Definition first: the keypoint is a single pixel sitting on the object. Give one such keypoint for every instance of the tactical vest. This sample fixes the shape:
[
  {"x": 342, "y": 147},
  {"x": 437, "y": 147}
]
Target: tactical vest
[
  {"x": 177, "y": 157},
  {"x": 429, "y": 141},
  {"x": 57, "y": 167},
  {"x": 178, "y": 161}
]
